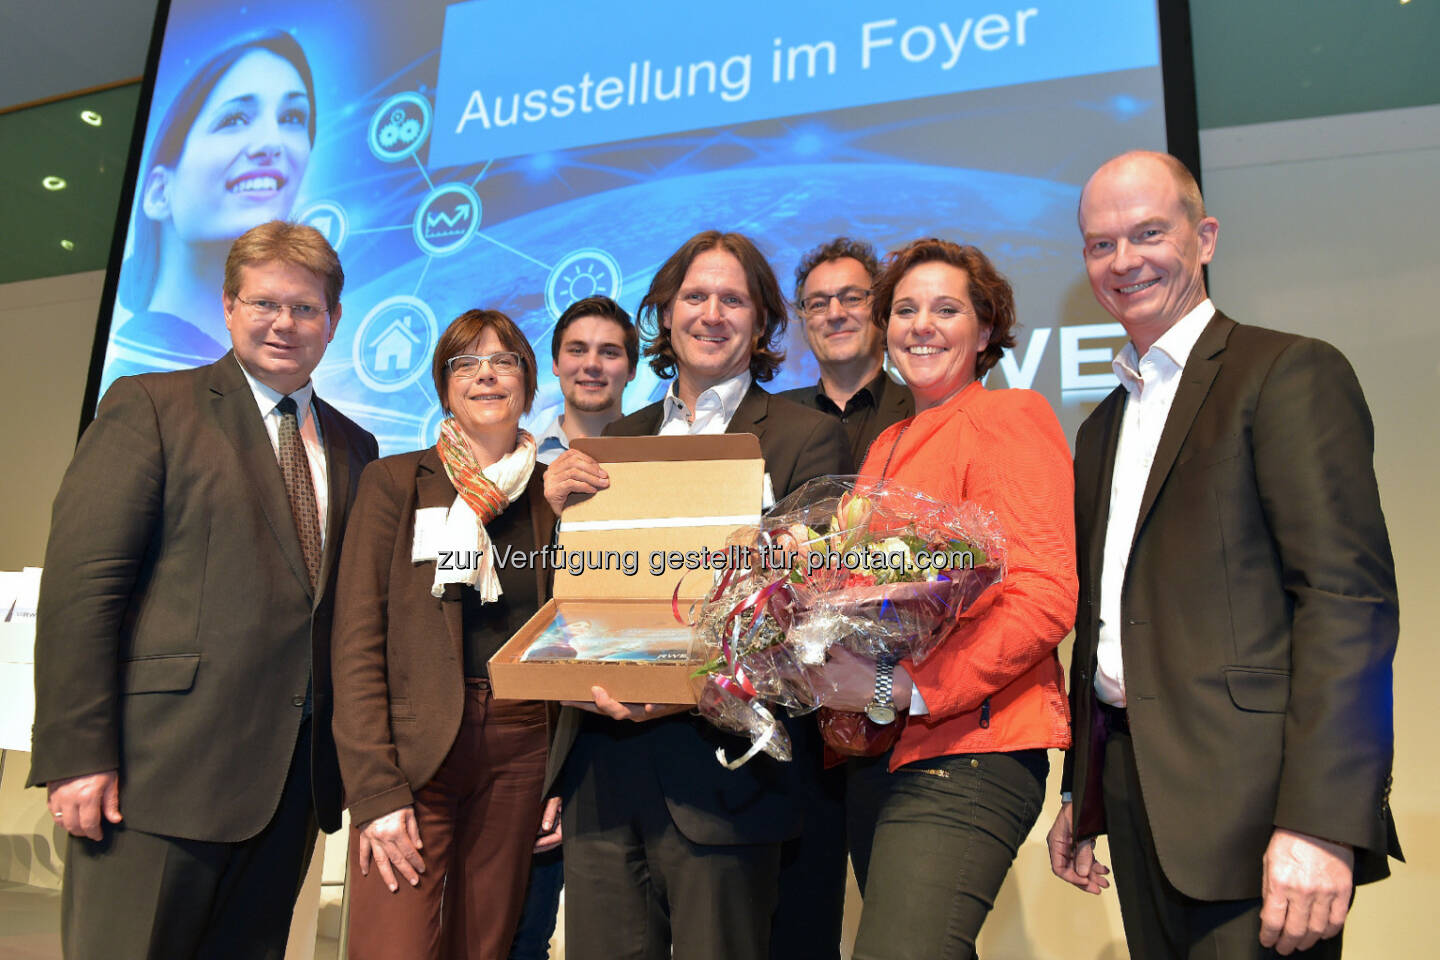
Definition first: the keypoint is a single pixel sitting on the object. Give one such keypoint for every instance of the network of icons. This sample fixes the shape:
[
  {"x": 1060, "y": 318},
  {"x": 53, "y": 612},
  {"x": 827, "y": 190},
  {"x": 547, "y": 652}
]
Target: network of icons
[{"x": 394, "y": 343}]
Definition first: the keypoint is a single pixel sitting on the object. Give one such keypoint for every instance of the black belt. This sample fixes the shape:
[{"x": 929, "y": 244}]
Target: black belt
[{"x": 1116, "y": 719}]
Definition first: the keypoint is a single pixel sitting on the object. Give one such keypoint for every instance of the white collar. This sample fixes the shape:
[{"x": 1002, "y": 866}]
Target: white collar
[
  {"x": 267, "y": 397},
  {"x": 726, "y": 395},
  {"x": 1173, "y": 346}
]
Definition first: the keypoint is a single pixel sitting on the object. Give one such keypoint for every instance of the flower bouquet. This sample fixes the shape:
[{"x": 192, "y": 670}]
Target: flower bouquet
[{"x": 884, "y": 570}]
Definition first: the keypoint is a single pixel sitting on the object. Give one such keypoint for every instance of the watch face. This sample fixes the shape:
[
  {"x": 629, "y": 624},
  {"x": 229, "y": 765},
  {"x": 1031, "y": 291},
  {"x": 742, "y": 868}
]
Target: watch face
[{"x": 880, "y": 713}]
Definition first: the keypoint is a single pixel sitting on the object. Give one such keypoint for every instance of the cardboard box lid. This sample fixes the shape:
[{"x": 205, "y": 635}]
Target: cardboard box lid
[{"x": 680, "y": 494}]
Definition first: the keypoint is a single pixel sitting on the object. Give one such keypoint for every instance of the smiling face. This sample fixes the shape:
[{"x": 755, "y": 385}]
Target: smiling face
[
  {"x": 487, "y": 405},
  {"x": 837, "y": 335},
  {"x": 281, "y": 353},
  {"x": 934, "y": 336},
  {"x": 712, "y": 321},
  {"x": 592, "y": 366},
  {"x": 244, "y": 155},
  {"x": 1143, "y": 251}
]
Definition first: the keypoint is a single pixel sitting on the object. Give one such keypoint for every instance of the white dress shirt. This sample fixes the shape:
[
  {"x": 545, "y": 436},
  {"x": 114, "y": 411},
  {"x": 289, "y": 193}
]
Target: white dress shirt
[
  {"x": 267, "y": 400},
  {"x": 1150, "y": 382},
  {"x": 713, "y": 408}
]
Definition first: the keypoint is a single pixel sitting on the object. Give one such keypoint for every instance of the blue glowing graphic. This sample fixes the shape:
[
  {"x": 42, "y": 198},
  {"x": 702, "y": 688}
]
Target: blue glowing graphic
[
  {"x": 431, "y": 223},
  {"x": 447, "y": 219},
  {"x": 394, "y": 343},
  {"x": 583, "y": 273},
  {"x": 400, "y": 126},
  {"x": 329, "y": 218}
]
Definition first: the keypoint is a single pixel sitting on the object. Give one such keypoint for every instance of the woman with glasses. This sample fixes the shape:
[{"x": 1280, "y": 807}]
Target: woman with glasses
[{"x": 442, "y": 781}]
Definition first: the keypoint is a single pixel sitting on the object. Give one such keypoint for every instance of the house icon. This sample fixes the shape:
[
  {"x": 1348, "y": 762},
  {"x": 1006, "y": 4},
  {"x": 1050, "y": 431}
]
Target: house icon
[{"x": 394, "y": 346}]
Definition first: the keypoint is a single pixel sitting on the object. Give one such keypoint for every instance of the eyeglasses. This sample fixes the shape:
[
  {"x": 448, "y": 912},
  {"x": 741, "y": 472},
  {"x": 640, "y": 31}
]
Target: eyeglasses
[
  {"x": 467, "y": 366},
  {"x": 271, "y": 309},
  {"x": 851, "y": 298}
]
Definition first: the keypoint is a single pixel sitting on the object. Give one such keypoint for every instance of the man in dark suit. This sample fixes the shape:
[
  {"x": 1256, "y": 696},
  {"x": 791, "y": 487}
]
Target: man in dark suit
[
  {"x": 664, "y": 849},
  {"x": 832, "y": 295},
  {"x": 1231, "y": 683},
  {"x": 180, "y": 729}
]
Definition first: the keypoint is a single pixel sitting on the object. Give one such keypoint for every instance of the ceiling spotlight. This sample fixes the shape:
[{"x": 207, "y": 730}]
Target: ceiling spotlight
[
  {"x": 53, "y": 183},
  {"x": 91, "y": 117},
  {"x": 68, "y": 244}
]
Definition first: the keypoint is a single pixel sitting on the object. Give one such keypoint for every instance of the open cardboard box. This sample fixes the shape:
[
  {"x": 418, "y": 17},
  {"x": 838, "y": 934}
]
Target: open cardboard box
[{"x": 668, "y": 497}]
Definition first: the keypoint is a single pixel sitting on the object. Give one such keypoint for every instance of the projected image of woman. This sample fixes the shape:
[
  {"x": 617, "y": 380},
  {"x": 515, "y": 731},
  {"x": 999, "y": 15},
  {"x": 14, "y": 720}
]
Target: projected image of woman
[{"x": 228, "y": 155}]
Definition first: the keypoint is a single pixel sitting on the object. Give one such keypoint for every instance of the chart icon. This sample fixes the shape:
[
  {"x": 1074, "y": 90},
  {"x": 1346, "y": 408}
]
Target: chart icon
[{"x": 446, "y": 220}]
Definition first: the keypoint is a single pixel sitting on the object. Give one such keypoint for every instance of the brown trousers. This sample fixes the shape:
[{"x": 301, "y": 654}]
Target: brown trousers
[{"x": 478, "y": 818}]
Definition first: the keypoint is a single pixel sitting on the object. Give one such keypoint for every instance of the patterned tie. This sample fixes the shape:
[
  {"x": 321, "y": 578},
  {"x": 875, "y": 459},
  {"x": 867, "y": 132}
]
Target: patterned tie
[{"x": 300, "y": 488}]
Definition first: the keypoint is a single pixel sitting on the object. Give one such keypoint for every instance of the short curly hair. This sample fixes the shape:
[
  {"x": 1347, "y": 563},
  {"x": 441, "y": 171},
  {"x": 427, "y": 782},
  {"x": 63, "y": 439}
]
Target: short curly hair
[
  {"x": 841, "y": 248},
  {"x": 990, "y": 292},
  {"x": 771, "y": 316}
]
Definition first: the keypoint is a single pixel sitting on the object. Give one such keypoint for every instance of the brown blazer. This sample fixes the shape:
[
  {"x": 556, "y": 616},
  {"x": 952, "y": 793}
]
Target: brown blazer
[
  {"x": 177, "y": 627},
  {"x": 1259, "y": 610},
  {"x": 397, "y": 652}
]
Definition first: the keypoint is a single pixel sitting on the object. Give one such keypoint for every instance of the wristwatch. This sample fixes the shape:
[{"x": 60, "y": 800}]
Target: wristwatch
[{"x": 881, "y": 708}]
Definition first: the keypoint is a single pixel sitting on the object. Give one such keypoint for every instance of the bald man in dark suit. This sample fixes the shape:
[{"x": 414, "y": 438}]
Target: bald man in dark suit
[
  {"x": 182, "y": 722},
  {"x": 1231, "y": 684}
]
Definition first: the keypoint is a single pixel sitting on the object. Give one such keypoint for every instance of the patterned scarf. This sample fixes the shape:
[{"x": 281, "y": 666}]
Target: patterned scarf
[{"x": 481, "y": 496}]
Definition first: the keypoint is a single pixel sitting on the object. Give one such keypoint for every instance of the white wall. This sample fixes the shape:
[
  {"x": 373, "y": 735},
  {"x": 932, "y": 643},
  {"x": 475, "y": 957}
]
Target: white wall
[{"x": 46, "y": 327}]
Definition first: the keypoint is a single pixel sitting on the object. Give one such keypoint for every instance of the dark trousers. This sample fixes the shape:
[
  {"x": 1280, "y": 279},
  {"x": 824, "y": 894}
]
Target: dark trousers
[
  {"x": 478, "y": 817},
  {"x": 542, "y": 903},
  {"x": 144, "y": 896},
  {"x": 636, "y": 887},
  {"x": 1160, "y": 922},
  {"x": 934, "y": 841},
  {"x": 806, "y": 926}
]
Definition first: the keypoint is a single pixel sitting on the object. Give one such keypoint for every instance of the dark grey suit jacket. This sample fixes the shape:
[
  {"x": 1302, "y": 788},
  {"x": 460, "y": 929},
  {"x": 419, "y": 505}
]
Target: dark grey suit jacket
[
  {"x": 757, "y": 803},
  {"x": 1259, "y": 612},
  {"x": 177, "y": 626}
]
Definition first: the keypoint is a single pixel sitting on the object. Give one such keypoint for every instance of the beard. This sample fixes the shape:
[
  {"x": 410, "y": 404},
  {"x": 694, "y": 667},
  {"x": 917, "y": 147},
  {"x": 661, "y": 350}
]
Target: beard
[{"x": 585, "y": 405}]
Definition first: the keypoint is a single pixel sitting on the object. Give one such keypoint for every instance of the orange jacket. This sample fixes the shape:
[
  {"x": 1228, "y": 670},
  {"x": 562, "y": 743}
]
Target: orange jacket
[{"x": 995, "y": 684}]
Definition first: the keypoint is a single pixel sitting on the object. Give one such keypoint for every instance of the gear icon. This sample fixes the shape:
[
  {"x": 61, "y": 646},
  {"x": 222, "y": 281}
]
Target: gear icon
[{"x": 399, "y": 127}]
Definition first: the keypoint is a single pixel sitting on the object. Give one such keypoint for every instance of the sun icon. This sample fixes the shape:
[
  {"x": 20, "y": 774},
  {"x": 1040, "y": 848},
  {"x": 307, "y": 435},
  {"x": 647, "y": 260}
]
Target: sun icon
[
  {"x": 583, "y": 280},
  {"x": 582, "y": 273}
]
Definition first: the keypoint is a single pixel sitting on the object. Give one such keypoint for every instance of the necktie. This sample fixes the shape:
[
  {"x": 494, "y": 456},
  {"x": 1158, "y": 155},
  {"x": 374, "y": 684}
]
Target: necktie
[{"x": 300, "y": 488}]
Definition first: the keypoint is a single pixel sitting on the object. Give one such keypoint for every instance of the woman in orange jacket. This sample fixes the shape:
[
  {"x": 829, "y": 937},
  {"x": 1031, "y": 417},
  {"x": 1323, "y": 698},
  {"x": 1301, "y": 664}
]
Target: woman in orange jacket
[{"x": 935, "y": 824}]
